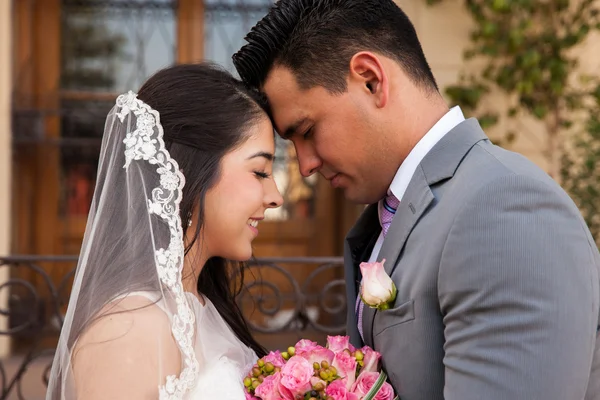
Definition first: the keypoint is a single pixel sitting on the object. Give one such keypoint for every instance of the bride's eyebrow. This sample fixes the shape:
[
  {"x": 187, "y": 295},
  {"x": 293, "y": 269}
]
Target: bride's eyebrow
[{"x": 264, "y": 154}]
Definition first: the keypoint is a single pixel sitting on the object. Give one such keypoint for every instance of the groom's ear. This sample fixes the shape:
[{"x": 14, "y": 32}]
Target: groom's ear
[{"x": 366, "y": 71}]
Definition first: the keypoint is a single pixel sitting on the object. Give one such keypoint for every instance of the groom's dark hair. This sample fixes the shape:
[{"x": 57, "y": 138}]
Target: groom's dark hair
[{"x": 316, "y": 40}]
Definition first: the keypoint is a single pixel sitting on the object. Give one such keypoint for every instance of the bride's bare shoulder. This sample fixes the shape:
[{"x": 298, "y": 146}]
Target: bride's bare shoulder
[{"x": 126, "y": 352}]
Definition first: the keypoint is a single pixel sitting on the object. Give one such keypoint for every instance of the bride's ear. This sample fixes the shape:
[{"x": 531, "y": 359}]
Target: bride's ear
[
  {"x": 189, "y": 219},
  {"x": 367, "y": 72}
]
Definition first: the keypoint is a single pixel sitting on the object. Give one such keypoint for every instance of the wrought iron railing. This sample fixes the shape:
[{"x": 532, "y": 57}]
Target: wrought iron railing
[{"x": 283, "y": 299}]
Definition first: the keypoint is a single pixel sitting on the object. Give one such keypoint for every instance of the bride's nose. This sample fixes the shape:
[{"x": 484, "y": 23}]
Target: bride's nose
[{"x": 273, "y": 198}]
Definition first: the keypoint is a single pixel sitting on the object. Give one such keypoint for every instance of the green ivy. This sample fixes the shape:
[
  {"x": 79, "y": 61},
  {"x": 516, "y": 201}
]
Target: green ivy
[
  {"x": 527, "y": 50},
  {"x": 581, "y": 173}
]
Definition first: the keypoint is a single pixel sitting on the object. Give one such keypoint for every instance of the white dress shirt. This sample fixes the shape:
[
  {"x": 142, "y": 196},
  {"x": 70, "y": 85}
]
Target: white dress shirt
[{"x": 414, "y": 158}]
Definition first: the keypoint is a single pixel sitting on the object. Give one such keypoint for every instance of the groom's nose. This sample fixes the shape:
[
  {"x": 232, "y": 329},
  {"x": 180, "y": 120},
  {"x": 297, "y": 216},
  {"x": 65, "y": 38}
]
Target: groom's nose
[{"x": 308, "y": 160}]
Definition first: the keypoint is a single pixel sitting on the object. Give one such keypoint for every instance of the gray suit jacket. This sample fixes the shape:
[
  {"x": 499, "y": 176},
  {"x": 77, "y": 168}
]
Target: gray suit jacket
[{"x": 497, "y": 277}]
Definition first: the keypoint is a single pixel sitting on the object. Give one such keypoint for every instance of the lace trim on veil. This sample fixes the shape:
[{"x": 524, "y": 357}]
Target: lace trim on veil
[{"x": 146, "y": 143}]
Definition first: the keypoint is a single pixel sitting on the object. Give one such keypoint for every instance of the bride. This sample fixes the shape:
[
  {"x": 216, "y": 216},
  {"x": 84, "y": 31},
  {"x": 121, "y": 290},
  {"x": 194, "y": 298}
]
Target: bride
[{"x": 183, "y": 179}]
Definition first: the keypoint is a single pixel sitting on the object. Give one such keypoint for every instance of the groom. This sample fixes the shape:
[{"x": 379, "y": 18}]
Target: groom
[{"x": 497, "y": 273}]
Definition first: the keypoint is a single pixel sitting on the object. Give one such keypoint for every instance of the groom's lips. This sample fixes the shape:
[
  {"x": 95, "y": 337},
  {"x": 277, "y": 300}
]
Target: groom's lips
[{"x": 335, "y": 180}]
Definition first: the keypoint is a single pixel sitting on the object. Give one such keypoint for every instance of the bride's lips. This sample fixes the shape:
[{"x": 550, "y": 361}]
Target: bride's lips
[{"x": 253, "y": 225}]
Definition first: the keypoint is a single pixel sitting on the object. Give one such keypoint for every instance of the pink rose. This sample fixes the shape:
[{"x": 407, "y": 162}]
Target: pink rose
[
  {"x": 338, "y": 391},
  {"x": 377, "y": 289},
  {"x": 316, "y": 354},
  {"x": 345, "y": 364},
  {"x": 250, "y": 397},
  {"x": 370, "y": 360},
  {"x": 339, "y": 343},
  {"x": 286, "y": 394},
  {"x": 365, "y": 382},
  {"x": 267, "y": 390},
  {"x": 275, "y": 358},
  {"x": 305, "y": 345},
  {"x": 295, "y": 377}
]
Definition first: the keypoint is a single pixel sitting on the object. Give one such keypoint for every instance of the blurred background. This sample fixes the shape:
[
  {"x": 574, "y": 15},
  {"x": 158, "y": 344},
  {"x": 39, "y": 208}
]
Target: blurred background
[{"x": 528, "y": 69}]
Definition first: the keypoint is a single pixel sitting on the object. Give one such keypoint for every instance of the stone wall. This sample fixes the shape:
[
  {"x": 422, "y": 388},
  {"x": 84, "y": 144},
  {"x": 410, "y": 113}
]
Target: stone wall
[{"x": 444, "y": 33}]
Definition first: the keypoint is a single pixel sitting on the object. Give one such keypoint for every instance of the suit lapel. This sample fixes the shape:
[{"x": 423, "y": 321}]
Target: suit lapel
[
  {"x": 358, "y": 245},
  {"x": 413, "y": 204},
  {"x": 438, "y": 165}
]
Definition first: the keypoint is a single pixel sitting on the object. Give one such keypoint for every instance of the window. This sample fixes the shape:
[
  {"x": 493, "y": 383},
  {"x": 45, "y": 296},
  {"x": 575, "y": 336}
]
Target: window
[{"x": 107, "y": 48}]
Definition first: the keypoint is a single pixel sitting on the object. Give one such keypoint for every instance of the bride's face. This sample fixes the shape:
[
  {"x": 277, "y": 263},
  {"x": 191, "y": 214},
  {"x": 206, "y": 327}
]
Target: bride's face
[{"x": 245, "y": 190}]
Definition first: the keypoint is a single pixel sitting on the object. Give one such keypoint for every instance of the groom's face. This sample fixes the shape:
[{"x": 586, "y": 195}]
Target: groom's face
[{"x": 333, "y": 135}]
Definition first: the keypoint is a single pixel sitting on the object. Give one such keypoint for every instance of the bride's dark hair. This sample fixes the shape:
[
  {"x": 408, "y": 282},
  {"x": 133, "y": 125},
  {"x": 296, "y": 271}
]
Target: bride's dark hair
[{"x": 205, "y": 113}]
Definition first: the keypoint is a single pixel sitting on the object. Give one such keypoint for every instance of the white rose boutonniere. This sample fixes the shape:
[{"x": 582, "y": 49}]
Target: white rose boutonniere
[{"x": 377, "y": 289}]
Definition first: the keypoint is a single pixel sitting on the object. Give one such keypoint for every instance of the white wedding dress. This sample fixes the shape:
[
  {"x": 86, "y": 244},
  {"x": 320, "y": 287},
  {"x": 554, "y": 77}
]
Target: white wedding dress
[{"x": 224, "y": 359}]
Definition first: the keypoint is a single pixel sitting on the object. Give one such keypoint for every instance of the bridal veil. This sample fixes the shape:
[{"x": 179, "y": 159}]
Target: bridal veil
[{"x": 133, "y": 244}]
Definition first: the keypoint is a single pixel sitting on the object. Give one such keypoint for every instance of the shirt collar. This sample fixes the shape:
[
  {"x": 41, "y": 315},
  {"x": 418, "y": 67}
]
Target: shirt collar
[{"x": 406, "y": 171}]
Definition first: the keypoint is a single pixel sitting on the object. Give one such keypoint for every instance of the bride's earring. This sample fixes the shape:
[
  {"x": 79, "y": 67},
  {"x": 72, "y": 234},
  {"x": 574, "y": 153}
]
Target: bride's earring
[{"x": 190, "y": 218}]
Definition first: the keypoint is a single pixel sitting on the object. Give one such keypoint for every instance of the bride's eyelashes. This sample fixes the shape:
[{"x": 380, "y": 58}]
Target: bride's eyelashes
[{"x": 262, "y": 174}]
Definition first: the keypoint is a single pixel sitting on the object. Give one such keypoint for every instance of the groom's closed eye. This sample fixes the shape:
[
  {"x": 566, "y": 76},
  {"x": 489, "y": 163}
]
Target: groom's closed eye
[
  {"x": 293, "y": 129},
  {"x": 308, "y": 134}
]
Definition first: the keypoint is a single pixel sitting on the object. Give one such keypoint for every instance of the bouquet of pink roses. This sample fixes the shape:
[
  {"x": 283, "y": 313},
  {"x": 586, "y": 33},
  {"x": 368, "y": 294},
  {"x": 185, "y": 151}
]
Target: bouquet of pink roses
[{"x": 308, "y": 371}]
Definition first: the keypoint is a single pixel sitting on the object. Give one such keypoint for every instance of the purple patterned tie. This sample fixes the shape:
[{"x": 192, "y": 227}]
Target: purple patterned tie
[
  {"x": 390, "y": 205},
  {"x": 388, "y": 209}
]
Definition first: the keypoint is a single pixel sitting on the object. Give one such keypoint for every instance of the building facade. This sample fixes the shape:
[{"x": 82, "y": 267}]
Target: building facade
[{"x": 65, "y": 61}]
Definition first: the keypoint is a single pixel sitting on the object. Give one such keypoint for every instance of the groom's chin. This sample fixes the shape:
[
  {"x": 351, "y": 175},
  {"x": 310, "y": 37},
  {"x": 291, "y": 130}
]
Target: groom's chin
[
  {"x": 355, "y": 191},
  {"x": 357, "y": 195}
]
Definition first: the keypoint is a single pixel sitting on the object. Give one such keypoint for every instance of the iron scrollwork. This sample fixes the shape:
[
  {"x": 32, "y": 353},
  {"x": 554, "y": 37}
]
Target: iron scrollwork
[{"x": 282, "y": 298}]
